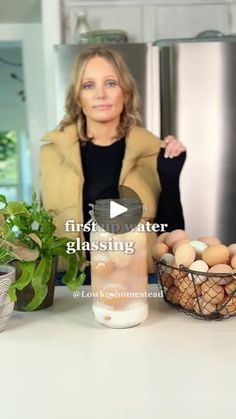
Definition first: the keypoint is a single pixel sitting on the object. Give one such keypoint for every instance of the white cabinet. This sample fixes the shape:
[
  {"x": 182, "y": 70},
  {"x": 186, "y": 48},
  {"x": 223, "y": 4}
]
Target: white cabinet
[
  {"x": 232, "y": 18},
  {"x": 178, "y": 21},
  {"x": 126, "y": 18},
  {"x": 146, "y": 22}
]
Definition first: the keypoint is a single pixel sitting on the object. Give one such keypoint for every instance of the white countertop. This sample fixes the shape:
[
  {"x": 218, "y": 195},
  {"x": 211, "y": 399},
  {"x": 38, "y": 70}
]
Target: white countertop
[{"x": 59, "y": 363}]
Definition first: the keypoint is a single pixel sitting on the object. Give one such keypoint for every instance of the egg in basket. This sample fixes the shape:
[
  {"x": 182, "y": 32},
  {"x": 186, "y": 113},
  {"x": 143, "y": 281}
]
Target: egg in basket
[{"x": 197, "y": 276}]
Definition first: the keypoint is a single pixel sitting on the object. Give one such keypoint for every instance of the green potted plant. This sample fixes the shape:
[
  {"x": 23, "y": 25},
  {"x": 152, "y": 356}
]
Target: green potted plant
[{"x": 28, "y": 241}]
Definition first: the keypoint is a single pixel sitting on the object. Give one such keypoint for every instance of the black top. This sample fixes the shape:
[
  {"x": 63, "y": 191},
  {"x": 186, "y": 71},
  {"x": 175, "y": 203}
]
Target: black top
[
  {"x": 102, "y": 167},
  {"x": 169, "y": 207}
]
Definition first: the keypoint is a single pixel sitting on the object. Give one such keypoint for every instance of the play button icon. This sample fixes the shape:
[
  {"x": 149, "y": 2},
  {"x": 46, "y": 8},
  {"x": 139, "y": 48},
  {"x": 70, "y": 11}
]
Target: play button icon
[{"x": 118, "y": 209}]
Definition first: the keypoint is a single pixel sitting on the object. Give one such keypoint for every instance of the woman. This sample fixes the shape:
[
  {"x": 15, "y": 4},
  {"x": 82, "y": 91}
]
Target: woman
[{"x": 101, "y": 143}]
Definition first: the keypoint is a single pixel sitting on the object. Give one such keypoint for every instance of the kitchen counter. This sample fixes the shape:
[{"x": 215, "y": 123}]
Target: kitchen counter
[{"x": 59, "y": 363}]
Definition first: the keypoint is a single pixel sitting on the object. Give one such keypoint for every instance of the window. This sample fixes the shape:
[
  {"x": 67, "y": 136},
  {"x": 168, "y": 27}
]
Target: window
[{"x": 9, "y": 173}]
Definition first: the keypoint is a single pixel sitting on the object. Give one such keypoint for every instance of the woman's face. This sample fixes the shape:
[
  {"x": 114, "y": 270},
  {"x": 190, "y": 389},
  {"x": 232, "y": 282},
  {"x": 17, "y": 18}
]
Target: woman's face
[{"x": 101, "y": 96}]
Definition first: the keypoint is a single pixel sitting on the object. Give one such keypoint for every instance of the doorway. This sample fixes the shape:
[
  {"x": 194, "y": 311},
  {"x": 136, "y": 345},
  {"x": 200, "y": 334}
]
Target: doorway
[{"x": 15, "y": 167}]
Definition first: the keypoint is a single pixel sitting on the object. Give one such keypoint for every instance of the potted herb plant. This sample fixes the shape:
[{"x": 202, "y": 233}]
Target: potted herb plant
[{"x": 28, "y": 241}]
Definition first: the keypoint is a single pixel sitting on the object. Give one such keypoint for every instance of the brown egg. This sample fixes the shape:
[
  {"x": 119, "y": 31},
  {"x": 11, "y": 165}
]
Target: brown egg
[
  {"x": 106, "y": 317},
  {"x": 173, "y": 295},
  {"x": 119, "y": 258},
  {"x": 203, "y": 308},
  {"x": 228, "y": 308},
  {"x": 178, "y": 273},
  {"x": 137, "y": 284},
  {"x": 231, "y": 287},
  {"x": 232, "y": 249},
  {"x": 162, "y": 237},
  {"x": 137, "y": 237},
  {"x": 187, "y": 285},
  {"x": 212, "y": 292},
  {"x": 233, "y": 262},
  {"x": 215, "y": 254},
  {"x": 177, "y": 280},
  {"x": 119, "y": 276},
  {"x": 138, "y": 265},
  {"x": 221, "y": 268},
  {"x": 209, "y": 240},
  {"x": 167, "y": 280},
  {"x": 103, "y": 269},
  {"x": 159, "y": 250},
  {"x": 178, "y": 243},
  {"x": 114, "y": 295},
  {"x": 186, "y": 301},
  {"x": 174, "y": 236},
  {"x": 184, "y": 255}
]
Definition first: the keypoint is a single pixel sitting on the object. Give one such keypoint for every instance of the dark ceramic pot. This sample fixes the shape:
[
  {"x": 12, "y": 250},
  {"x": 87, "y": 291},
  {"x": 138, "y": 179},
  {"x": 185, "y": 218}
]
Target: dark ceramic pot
[{"x": 25, "y": 296}]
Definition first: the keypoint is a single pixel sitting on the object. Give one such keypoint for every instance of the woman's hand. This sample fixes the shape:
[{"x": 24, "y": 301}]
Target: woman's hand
[{"x": 173, "y": 147}]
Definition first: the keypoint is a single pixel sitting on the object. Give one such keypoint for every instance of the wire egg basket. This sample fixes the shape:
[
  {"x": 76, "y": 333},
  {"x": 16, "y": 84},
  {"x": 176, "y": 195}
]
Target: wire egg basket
[{"x": 203, "y": 295}]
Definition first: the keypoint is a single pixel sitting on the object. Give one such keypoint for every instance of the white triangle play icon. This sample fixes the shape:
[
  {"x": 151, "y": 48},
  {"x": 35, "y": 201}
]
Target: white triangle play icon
[{"x": 116, "y": 209}]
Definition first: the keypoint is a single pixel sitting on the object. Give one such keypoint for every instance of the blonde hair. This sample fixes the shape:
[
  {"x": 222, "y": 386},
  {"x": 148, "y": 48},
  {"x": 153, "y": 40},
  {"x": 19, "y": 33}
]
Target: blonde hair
[{"x": 131, "y": 114}]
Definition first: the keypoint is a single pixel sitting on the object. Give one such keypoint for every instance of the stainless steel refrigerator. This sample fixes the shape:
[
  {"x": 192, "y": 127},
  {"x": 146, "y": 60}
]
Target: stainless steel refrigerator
[
  {"x": 188, "y": 88},
  {"x": 198, "y": 105}
]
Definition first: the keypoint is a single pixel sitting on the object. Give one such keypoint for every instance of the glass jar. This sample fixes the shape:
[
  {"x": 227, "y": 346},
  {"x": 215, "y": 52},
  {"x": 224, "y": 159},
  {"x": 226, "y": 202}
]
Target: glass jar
[
  {"x": 119, "y": 273},
  {"x": 81, "y": 28}
]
